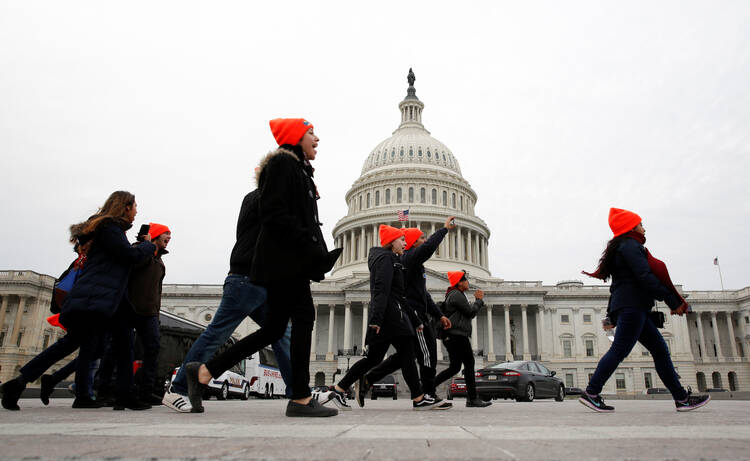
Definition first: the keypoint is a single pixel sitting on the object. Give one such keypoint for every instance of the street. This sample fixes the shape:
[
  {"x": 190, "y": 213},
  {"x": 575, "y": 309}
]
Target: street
[{"x": 384, "y": 429}]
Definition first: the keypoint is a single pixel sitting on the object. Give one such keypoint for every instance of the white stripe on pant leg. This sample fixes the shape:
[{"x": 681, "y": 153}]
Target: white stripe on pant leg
[{"x": 425, "y": 350}]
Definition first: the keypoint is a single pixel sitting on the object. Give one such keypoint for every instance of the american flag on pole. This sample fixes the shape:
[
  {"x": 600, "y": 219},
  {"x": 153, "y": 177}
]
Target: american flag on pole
[
  {"x": 403, "y": 215},
  {"x": 716, "y": 261}
]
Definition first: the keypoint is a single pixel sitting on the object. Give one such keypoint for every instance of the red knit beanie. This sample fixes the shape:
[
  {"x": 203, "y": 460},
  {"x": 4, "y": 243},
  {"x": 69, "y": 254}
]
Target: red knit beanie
[
  {"x": 412, "y": 234},
  {"x": 389, "y": 234},
  {"x": 621, "y": 221},
  {"x": 289, "y": 130},
  {"x": 155, "y": 230},
  {"x": 455, "y": 276}
]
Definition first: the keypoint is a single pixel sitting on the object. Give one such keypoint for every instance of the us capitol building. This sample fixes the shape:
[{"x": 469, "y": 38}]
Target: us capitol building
[{"x": 559, "y": 324}]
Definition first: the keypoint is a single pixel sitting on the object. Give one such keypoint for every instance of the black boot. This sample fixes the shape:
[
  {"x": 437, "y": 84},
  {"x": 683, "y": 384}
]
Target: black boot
[
  {"x": 85, "y": 402},
  {"x": 130, "y": 403},
  {"x": 11, "y": 393},
  {"x": 48, "y": 387},
  {"x": 476, "y": 402}
]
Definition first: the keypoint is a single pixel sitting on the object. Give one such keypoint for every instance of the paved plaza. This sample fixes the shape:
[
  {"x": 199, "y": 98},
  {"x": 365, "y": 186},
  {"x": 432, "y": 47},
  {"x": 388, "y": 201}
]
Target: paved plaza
[{"x": 384, "y": 429}]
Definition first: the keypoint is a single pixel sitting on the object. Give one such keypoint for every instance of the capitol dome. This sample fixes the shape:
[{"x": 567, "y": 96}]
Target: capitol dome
[{"x": 412, "y": 171}]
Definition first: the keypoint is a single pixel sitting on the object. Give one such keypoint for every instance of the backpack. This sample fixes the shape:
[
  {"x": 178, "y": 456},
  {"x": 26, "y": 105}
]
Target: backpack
[{"x": 65, "y": 283}]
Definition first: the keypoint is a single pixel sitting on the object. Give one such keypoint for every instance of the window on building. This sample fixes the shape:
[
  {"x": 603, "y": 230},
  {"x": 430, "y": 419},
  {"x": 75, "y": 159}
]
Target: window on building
[
  {"x": 716, "y": 351},
  {"x": 445, "y": 203},
  {"x": 367, "y": 202},
  {"x": 453, "y": 200},
  {"x": 2, "y": 337},
  {"x": 377, "y": 198},
  {"x": 567, "y": 348},
  {"x": 591, "y": 375},
  {"x": 387, "y": 196},
  {"x": 620, "y": 378},
  {"x": 461, "y": 202},
  {"x": 747, "y": 319},
  {"x": 359, "y": 200},
  {"x": 399, "y": 195},
  {"x": 564, "y": 318},
  {"x": 647, "y": 380},
  {"x": 411, "y": 195},
  {"x": 589, "y": 348},
  {"x": 434, "y": 196},
  {"x": 645, "y": 352},
  {"x": 422, "y": 195},
  {"x": 587, "y": 318},
  {"x": 20, "y": 338},
  {"x": 569, "y": 380},
  {"x": 45, "y": 343}
]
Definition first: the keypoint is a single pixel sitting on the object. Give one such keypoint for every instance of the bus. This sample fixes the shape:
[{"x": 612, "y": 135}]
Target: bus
[{"x": 262, "y": 370}]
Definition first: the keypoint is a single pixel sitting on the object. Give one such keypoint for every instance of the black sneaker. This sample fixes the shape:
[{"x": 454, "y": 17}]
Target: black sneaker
[
  {"x": 360, "y": 390},
  {"x": 476, "y": 402},
  {"x": 595, "y": 403},
  {"x": 312, "y": 409},
  {"x": 691, "y": 402},
  {"x": 130, "y": 403},
  {"x": 86, "y": 403},
  {"x": 338, "y": 398},
  {"x": 427, "y": 403},
  {"x": 440, "y": 404},
  {"x": 48, "y": 387},
  {"x": 195, "y": 388},
  {"x": 11, "y": 393}
]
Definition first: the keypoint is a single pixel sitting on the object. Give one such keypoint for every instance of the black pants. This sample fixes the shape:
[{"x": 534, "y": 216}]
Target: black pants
[
  {"x": 425, "y": 349},
  {"x": 376, "y": 352},
  {"x": 460, "y": 353},
  {"x": 88, "y": 330},
  {"x": 287, "y": 300},
  {"x": 147, "y": 329}
]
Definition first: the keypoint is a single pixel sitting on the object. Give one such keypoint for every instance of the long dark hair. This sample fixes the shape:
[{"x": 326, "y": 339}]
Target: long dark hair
[
  {"x": 115, "y": 207},
  {"x": 607, "y": 261}
]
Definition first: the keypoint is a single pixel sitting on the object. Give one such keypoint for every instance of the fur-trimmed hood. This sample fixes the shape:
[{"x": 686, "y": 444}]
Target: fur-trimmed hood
[{"x": 269, "y": 156}]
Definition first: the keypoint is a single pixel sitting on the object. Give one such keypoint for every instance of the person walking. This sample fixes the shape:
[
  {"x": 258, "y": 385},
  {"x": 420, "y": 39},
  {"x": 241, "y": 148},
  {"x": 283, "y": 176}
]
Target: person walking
[
  {"x": 391, "y": 323},
  {"x": 456, "y": 338},
  {"x": 289, "y": 253},
  {"x": 144, "y": 291},
  {"x": 240, "y": 299},
  {"x": 90, "y": 305},
  {"x": 416, "y": 252},
  {"x": 637, "y": 280}
]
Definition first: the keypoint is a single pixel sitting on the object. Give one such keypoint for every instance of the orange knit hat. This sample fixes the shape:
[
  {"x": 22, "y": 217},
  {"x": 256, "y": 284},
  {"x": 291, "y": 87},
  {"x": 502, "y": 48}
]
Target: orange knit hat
[
  {"x": 621, "y": 221},
  {"x": 455, "y": 276},
  {"x": 412, "y": 234},
  {"x": 155, "y": 230},
  {"x": 289, "y": 130},
  {"x": 389, "y": 234}
]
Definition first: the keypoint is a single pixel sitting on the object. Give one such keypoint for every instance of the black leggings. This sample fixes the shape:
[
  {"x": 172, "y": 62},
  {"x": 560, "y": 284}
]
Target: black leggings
[
  {"x": 287, "y": 300},
  {"x": 426, "y": 354},
  {"x": 376, "y": 352},
  {"x": 460, "y": 353}
]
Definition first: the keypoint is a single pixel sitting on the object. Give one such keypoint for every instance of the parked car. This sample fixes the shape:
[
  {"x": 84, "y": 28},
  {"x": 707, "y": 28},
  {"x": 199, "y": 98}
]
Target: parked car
[
  {"x": 457, "y": 388},
  {"x": 231, "y": 383},
  {"x": 573, "y": 391},
  {"x": 521, "y": 380},
  {"x": 386, "y": 387}
]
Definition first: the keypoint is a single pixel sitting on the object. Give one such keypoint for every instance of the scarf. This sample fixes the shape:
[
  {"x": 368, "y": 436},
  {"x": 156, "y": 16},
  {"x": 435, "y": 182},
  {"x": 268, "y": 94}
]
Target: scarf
[{"x": 658, "y": 268}]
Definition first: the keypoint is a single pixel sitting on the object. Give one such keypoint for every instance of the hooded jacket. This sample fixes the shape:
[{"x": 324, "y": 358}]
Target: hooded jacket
[
  {"x": 416, "y": 284},
  {"x": 388, "y": 307},
  {"x": 103, "y": 282},
  {"x": 460, "y": 312},
  {"x": 145, "y": 284},
  {"x": 290, "y": 242},
  {"x": 248, "y": 227}
]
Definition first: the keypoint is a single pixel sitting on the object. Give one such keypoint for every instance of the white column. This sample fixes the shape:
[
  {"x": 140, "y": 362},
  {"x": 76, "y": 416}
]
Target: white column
[
  {"x": 314, "y": 343},
  {"x": 347, "y": 327},
  {"x": 477, "y": 253},
  {"x": 474, "y": 335},
  {"x": 362, "y": 246},
  {"x": 732, "y": 342},
  {"x": 490, "y": 339},
  {"x": 701, "y": 337},
  {"x": 719, "y": 354},
  {"x": 17, "y": 321},
  {"x": 525, "y": 325},
  {"x": 540, "y": 343},
  {"x": 461, "y": 246},
  {"x": 508, "y": 353},
  {"x": 365, "y": 319},
  {"x": 344, "y": 256},
  {"x": 3, "y": 310},
  {"x": 331, "y": 316}
]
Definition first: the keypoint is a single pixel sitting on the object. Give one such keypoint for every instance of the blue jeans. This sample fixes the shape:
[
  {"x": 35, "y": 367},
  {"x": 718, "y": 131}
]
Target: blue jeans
[
  {"x": 634, "y": 324},
  {"x": 240, "y": 299}
]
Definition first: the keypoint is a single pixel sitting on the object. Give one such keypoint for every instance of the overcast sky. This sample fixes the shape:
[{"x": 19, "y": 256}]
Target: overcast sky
[{"x": 555, "y": 111}]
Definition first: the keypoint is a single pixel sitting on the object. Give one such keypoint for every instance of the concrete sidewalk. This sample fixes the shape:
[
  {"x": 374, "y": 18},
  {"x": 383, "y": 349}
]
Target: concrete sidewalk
[{"x": 384, "y": 429}]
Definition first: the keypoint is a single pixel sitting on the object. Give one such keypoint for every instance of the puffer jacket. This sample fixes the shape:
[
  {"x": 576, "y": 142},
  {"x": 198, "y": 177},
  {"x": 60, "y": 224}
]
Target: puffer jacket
[
  {"x": 388, "y": 307},
  {"x": 460, "y": 312},
  {"x": 103, "y": 282}
]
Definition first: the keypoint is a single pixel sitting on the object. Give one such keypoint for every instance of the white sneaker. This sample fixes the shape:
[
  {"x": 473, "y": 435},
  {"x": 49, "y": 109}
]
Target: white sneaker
[
  {"x": 338, "y": 398},
  {"x": 176, "y": 402}
]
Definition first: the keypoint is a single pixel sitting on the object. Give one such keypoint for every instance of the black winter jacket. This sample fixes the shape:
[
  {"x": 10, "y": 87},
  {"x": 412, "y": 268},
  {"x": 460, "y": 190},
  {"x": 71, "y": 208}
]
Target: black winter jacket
[
  {"x": 144, "y": 286},
  {"x": 290, "y": 243},
  {"x": 248, "y": 226},
  {"x": 416, "y": 284},
  {"x": 633, "y": 283},
  {"x": 388, "y": 307},
  {"x": 103, "y": 281},
  {"x": 460, "y": 312}
]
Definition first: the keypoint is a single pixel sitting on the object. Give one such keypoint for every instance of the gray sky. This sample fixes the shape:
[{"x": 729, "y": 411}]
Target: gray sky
[{"x": 555, "y": 111}]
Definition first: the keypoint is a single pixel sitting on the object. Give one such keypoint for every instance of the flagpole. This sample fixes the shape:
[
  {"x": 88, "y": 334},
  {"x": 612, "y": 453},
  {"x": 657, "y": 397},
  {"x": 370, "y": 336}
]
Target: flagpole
[{"x": 721, "y": 279}]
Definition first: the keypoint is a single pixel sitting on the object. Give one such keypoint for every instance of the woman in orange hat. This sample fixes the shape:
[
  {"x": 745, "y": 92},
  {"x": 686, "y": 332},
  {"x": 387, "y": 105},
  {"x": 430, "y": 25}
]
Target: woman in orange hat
[
  {"x": 637, "y": 280},
  {"x": 392, "y": 322},
  {"x": 456, "y": 338}
]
